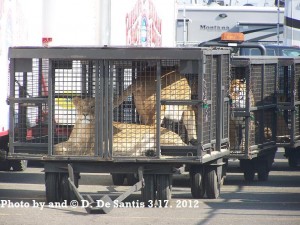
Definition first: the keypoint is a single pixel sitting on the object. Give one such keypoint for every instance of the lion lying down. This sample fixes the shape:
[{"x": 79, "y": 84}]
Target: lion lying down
[
  {"x": 174, "y": 86},
  {"x": 128, "y": 139}
]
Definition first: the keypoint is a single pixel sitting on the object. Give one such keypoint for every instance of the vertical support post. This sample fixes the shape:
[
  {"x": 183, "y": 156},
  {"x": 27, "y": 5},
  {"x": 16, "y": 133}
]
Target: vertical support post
[
  {"x": 105, "y": 100},
  {"x": 262, "y": 121},
  {"x": 83, "y": 78},
  {"x": 22, "y": 113},
  {"x": 40, "y": 89},
  {"x": 201, "y": 72},
  {"x": 220, "y": 103},
  {"x": 12, "y": 104},
  {"x": 51, "y": 81},
  {"x": 211, "y": 77},
  {"x": 293, "y": 103},
  {"x": 100, "y": 105},
  {"x": 248, "y": 109},
  {"x": 98, "y": 144},
  {"x": 90, "y": 78},
  {"x": 158, "y": 106},
  {"x": 110, "y": 109}
]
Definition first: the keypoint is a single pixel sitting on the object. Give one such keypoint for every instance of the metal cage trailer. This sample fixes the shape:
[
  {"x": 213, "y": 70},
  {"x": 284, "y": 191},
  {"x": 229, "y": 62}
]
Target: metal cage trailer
[
  {"x": 288, "y": 102},
  {"x": 253, "y": 112},
  {"x": 135, "y": 112}
]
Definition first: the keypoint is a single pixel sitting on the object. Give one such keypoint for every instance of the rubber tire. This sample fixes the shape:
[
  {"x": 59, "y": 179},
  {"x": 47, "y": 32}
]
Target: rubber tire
[
  {"x": 164, "y": 189},
  {"x": 118, "y": 178},
  {"x": 212, "y": 186},
  {"x": 19, "y": 165},
  {"x": 4, "y": 165},
  {"x": 197, "y": 184},
  {"x": 292, "y": 160},
  {"x": 249, "y": 171},
  {"x": 262, "y": 171},
  {"x": 148, "y": 191},
  {"x": 65, "y": 191},
  {"x": 52, "y": 187},
  {"x": 131, "y": 179}
]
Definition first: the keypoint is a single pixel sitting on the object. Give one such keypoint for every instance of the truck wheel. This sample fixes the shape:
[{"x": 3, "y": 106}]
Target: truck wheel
[
  {"x": 131, "y": 179},
  {"x": 248, "y": 169},
  {"x": 262, "y": 171},
  {"x": 4, "y": 165},
  {"x": 292, "y": 161},
  {"x": 249, "y": 174},
  {"x": 52, "y": 187},
  {"x": 212, "y": 186},
  {"x": 197, "y": 184},
  {"x": 148, "y": 192},
  {"x": 18, "y": 165},
  {"x": 164, "y": 189},
  {"x": 118, "y": 178},
  {"x": 65, "y": 190}
]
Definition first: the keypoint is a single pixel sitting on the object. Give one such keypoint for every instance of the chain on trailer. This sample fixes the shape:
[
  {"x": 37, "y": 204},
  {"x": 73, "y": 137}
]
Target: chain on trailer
[{"x": 126, "y": 111}]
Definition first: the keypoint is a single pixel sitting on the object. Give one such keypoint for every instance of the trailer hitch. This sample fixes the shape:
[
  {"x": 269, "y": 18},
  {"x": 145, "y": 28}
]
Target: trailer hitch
[{"x": 105, "y": 204}]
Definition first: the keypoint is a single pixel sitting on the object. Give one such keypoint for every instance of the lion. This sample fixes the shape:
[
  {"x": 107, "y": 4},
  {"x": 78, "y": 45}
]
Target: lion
[
  {"x": 128, "y": 139},
  {"x": 82, "y": 136},
  {"x": 174, "y": 86},
  {"x": 237, "y": 91},
  {"x": 237, "y": 124}
]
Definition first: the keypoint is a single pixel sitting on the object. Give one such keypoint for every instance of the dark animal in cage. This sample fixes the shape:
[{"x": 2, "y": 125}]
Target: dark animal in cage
[
  {"x": 128, "y": 139},
  {"x": 174, "y": 86},
  {"x": 237, "y": 124}
]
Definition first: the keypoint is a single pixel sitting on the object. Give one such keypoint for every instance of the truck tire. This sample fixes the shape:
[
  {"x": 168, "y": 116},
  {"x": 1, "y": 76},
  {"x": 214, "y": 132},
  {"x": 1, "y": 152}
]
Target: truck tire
[
  {"x": 18, "y": 165},
  {"x": 132, "y": 179},
  {"x": 262, "y": 171},
  {"x": 292, "y": 160},
  {"x": 52, "y": 187},
  {"x": 197, "y": 184},
  {"x": 164, "y": 189},
  {"x": 66, "y": 192},
  {"x": 4, "y": 165},
  {"x": 212, "y": 186},
  {"x": 118, "y": 178},
  {"x": 148, "y": 191},
  {"x": 248, "y": 169}
]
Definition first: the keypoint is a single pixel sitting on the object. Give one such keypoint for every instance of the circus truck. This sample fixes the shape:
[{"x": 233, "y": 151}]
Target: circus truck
[
  {"x": 13, "y": 31},
  {"x": 140, "y": 25}
]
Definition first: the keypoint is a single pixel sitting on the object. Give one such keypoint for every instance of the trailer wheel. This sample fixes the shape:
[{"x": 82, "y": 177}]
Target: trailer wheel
[
  {"x": 248, "y": 169},
  {"x": 262, "y": 171},
  {"x": 164, "y": 189},
  {"x": 118, "y": 178},
  {"x": 65, "y": 190},
  {"x": 52, "y": 187},
  {"x": 249, "y": 174},
  {"x": 197, "y": 184},
  {"x": 148, "y": 191},
  {"x": 4, "y": 165},
  {"x": 131, "y": 179},
  {"x": 18, "y": 165},
  {"x": 292, "y": 160},
  {"x": 212, "y": 186}
]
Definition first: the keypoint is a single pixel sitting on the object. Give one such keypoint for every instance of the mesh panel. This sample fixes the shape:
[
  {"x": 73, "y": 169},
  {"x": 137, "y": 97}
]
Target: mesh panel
[
  {"x": 115, "y": 107},
  {"x": 288, "y": 105},
  {"x": 252, "y": 84}
]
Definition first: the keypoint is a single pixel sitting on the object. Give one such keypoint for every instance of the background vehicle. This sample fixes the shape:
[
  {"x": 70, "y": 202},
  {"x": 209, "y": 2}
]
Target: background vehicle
[{"x": 273, "y": 50}]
